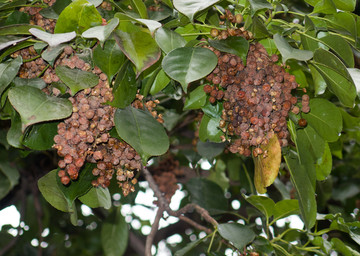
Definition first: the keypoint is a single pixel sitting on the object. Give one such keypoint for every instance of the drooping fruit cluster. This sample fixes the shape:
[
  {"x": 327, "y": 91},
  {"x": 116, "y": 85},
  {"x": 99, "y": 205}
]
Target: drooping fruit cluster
[
  {"x": 165, "y": 176},
  {"x": 37, "y": 19},
  {"x": 257, "y": 98}
]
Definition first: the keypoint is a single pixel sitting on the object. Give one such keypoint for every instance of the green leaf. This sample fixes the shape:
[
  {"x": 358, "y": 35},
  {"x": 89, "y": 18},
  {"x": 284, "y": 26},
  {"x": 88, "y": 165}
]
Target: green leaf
[
  {"x": 140, "y": 8},
  {"x": 14, "y": 135},
  {"x": 18, "y": 29},
  {"x": 138, "y": 128},
  {"x": 17, "y": 17},
  {"x": 235, "y": 45},
  {"x": 257, "y": 5},
  {"x": 355, "y": 75},
  {"x": 210, "y": 149},
  {"x": 160, "y": 82},
  {"x": 76, "y": 79},
  {"x": 345, "y": 5},
  {"x": 264, "y": 204},
  {"x": 341, "y": 47},
  {"x": 151, "y": 24},
  {"x": 9, "y": 178},
  {"x": 336, "y": 76},
  {"x": 109, "y": 59},
  {"x": 324, "y": 6},
  {"x": 285, "y": 208},
  {"x": 351, "y": 124},
  {"x": 310, "y": 145},
  {"x": 269, "y": 45},
  {"x": 54, "y": 11},
  {"x": 342, "y": 248},
  {"x": 11, "y": 40},
  {"x": 52, "y": 39},
  {"x": 40, "y": 137},
  {"x": 206, "y": 194},
  {"x": 125, "y": 87},
  {"x": 33, "y": 82},
  {"x": 325, "y": 118},
  {"x": 219, "y": 176},
  {"x": 318, "y": 80},
  {"x": 186, "y": 64},
  {"x": 51, "y": 53},
  {"x": 168, "y": 40},
  {"x": 8, "y": 71},
  {"x": 97, "y": 197},
  {"x": 114, "y": 234},
  {"x": 190, "y": 7},
  {"x": 34, "y": 106},
  {"x": 140, "y": 48},
  {"x": 50, "y": 190},
  {"x": 183, "y": 251},
  {"x": 304, "y": 189},
  {"x": 288, "y": 52},
  {"x": 209, "y": 129},
  {"x": 324, "y": 164},
  {"x": 78, "y": 16},
  {"x": 239, "y": 235},
  {"x": 101, "y": 33},
  {"x": 195, "y": 99}
]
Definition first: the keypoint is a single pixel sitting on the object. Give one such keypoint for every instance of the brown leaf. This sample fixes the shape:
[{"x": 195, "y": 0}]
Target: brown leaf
[{"x": 267, "y": 168}]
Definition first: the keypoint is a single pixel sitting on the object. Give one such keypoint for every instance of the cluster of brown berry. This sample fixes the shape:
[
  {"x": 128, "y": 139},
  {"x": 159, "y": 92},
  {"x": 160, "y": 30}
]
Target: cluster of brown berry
[
  {"x": 257, "y": 98},
  {"x": 37, "y": 19},
  {"x": 165, "y": 176}
]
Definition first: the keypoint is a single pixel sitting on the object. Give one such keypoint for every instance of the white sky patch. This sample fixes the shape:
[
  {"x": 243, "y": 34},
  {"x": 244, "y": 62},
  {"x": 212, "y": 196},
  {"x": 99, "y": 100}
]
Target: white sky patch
[
  {"x": 86, "y": 210},
  {"x": 9, "y": 215}
]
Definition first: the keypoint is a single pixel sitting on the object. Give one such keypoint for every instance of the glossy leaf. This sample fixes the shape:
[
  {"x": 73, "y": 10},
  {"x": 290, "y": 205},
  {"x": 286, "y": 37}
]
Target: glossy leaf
[
  {"x": 355, "y": 75},
  {"x": 267, "y": 168},
  {"x": 195, "y": 99},
  {"x": 304, "y": 189},
  {"x": 18, "y": 29},
  {"x": 40, "y": 137},
  {"x": 97, "y": 197},
  {"x": 324, "y": 6},
  {"x": 239, "y": 235},
  {"x": 35, "y": 106},
  {"x": 76, "y": 79},
  {"x": 51, "y": 53},
  {"x": 264, "y": 204},
  {"x": 210, "y": 149},
  {"x": 140, "y": 48},
  {"x": 269, "y": 45},
  {"x": 152, "y": 25},
  {"x": 140, "y": 8},
  {"x": 325, "y": 118},
  {"x": 341, "y": 47},
  {"x": 101, "y": 33},
  {"x": 139, "y": 129},
  {"x": 78, "y": 16},
  {"x": 10, "y": 40},
  {"x": 235, "y": 45},
  {"x": 125, "y": 87},
  {"x": 186, "y": 64},
  {"x": 52, "y": 39},
  {"x": 319, "y": 82},
  {"x": 336, "y": 76},
  {"x": 285, "y": 208},
  {"x": 288, "y": 52},
  {"x": 310, "y": 145},
  {"x": 345, "y": 5},
  {"x": 8, "y": 71},
  {"x": 209, "y": 129},
  {"x": 257, "y": 5},
  {"x": 324, "y": 164},
  {"x": 114, "y": 234},
  {"x": 50, "y": 190},
  {"x": 168, "y": 40},
  {"x": 33, "y": 82},
  {"x": 160, "y": 82},
  {"x": 190, "y": 7},
  {"x": 109, "y": 59},
  {"x": 207, "y": 194}
]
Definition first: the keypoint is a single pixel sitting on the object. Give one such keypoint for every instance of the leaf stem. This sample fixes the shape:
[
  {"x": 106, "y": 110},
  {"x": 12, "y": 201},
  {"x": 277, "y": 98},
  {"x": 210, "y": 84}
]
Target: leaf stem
[
  {"x": 28, "y": 60},
  {"x": 248, "y": 178},
  {"x": 196, "y": 34},
  {"x": 212, "y": 240},
  {"x": 43, "y": 71}
]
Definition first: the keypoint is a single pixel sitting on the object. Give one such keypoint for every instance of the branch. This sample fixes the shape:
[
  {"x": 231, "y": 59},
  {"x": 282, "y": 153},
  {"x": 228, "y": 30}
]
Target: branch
[{"x": 154, "y": 229}]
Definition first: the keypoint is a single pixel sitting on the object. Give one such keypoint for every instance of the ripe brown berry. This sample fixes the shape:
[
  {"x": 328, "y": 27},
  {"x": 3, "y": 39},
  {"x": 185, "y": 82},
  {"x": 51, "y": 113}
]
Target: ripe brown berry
[
  {"x": 302, "y": 122},
  {"x": 239, "y": 18},
  {"x": 207, "y": 88},
  {"x": 65, "y": 180},
  {"x": 212, "y": 100},
  {"x": 214, "y": 32}
]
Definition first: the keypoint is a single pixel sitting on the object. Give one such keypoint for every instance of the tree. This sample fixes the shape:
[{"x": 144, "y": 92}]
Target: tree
[{"x": 99, "y": 95}]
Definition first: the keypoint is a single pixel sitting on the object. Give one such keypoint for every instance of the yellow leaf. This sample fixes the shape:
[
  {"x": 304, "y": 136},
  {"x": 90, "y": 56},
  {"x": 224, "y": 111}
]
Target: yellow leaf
[{"x": 267, "y": 165}]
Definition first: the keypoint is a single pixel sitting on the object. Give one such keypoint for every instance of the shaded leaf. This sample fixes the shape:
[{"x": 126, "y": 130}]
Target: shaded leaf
[
  {"x": 140, "y": 8},
  {"x": 219, "y": 176},
  {"x": 51, "y": 53},
  {"x": 76, "y": 79},
  {"x": 304, "y": 188},
  {"x": 140, "y": 48},
  {"x": 235, "y": 45},
  {"x": 18, "y": 29},
  {"x": 35, "y": 106},
  {"x": 345, "y": 5},
  {"x": 11, "y": 40},
  {"x": 53, "y": 39},
  {"x": 257, "y": 5},
  {"x": 324, "y": 164},
  {"x": 138, "y": 128},
  {"x": 101, "y": 33},
  {"x": 264, "y": 204},
  {"x": 239, "y": 235},
  {"x": 183, "y": 251},
  {"x": 210, "y": 149},
  {"x": 341, "y": 47},
  {"x": 190, "y": 7},
  {"x": 109, "y": 59},
  {"x": 78, "y": 16},
  {"x": 325, "y": 118},
  {"x": 267, "y": 168},
  {"x": 114, "y": 234},
  {"x": 40, "y": 137},
  {"x": 195, "y": 99},
  {"x": 324, "y": 6},
  {"x": 160, "y": 82},
  {"x": 209, "y": 129},
  {"x": 9, "y": 178},
  {"x": 33, "y": 82},
  {"x": 14, "y": 135},
  {"x": 285, "y": 208},
  {"x": 8, "y": 71},
  {"x": 168, "y": 40},
  {"x": 288, "y": 52},
  {"x": 97, "y": 197},
  {"x": 186, "y": 64}
]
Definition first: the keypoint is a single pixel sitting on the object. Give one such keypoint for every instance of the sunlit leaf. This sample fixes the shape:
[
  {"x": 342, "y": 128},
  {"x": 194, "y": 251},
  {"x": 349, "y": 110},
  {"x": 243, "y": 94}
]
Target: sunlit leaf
[
  {"x": 101, "y": 32},
  {"x": 288, "y": 52},
  {"x": 190, "y": 7},
  {"x": 168, "y": 40},
  {"x": 235, "y": 45},
  {"x": 264, "y": 204},
  {"x": 97, "y": 197},
  {"x": 53, "y": 39},
  {"x": 240, "y": 235},
  {"x": 8, "y": 71}
]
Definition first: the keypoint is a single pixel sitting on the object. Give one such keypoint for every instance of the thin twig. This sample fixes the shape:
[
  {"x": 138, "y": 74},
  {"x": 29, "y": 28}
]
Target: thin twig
[{"x": 154, "y": 229}]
